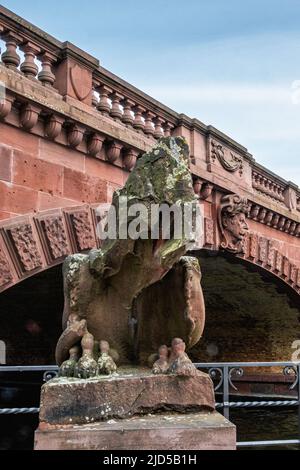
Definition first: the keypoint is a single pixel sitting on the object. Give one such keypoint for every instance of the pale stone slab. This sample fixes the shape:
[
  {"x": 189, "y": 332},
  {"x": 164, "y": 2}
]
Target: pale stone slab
[{"x": 193, "y": 431}]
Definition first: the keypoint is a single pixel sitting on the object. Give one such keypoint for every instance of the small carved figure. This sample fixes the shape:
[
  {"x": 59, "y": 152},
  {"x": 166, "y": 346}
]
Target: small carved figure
[
  {"x": 86, "y": 366},
  {"x": 161, "y": 365},
  {"x": 232, "y": 215},
  {"x": 106, "y": 364},
  {"x": 180, "y": 364},
  {"x": 67, "y": 369}
]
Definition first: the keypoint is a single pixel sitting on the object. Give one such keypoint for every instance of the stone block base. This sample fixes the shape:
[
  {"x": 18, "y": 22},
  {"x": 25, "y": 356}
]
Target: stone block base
[
  {"x": 167, "y": 431},
  {"x": 131, "y": 392}
]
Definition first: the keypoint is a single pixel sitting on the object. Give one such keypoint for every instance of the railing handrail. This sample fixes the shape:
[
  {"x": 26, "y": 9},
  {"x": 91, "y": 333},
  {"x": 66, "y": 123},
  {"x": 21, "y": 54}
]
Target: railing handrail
[
  {"x": 4, "y": 368},
  {"x": 247, "y": 364}
]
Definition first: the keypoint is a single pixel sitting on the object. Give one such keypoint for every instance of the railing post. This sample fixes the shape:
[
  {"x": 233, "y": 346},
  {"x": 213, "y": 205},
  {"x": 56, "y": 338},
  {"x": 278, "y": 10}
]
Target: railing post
[{"x": 226, "y": 392}]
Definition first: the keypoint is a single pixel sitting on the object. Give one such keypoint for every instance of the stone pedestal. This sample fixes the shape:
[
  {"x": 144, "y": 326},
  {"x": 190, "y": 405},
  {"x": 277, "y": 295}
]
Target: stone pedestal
[
  {"x": 131, "y": 392},
  {"x": 166, "y": 431},
  {"x": 132, "y": 410}
]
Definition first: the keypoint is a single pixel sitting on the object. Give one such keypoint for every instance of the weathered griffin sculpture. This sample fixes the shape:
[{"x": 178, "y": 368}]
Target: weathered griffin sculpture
[{"x": 138, "y": 294}]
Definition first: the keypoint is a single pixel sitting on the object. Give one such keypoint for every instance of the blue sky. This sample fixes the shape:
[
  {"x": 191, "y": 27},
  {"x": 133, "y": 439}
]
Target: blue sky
[{"x": 232, "y": 64}]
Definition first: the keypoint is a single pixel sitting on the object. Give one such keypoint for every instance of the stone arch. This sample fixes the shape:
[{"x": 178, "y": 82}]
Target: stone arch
[
  {"x": 263, "y": 254},
  {"x": 33, "y": 243},
  {"x": 250, "y": 316},
  {"x": 267, "y": 256},
  {"x": 258, "y": 249},
  {"x": 36, "y": 242}
]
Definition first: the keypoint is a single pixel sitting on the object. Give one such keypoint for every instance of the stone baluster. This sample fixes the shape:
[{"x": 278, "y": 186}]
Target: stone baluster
[
  {"x": 29, "y": 67},
  {"x": 287, "y": 225},
  {"x": 46, "y": 76},
  {"x": 254, "y": 212},
  {"x": 292, "y": 228},
  {"x": 158, "y": 132},
  {"x": 255, "y": 180},
  {"x": 281, "y": 195},
  {"x": 149, "y": 127},
  {"x": 127, "y": 117},
  {"x": 104, "y": 104},
  {"x": 275, "y": 220},
  {"x": 116, "y": 111},
  {"x": 266, "y": 187},
  {"x": 269, "y": 217},
  {"x": 10, "y": 57},
  {"x": 297, "y": 231},
  {"x": 138, "y": 122},
  {"x": 95, "y": 99},
  {"x": 262, "y": 215},
  {"x": 167, "y": 127},
  {"x": 281, "y": 223}
]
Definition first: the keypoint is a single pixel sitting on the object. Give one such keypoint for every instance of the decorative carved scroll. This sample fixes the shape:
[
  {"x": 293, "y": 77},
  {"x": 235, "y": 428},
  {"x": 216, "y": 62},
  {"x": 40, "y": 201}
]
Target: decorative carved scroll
[{"x": 228, "y": 160}]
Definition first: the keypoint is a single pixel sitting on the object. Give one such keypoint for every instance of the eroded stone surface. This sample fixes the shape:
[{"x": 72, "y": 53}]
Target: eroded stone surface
[
  {"x": 104, "y": 286},
  {"x": 75, "y": 401}
]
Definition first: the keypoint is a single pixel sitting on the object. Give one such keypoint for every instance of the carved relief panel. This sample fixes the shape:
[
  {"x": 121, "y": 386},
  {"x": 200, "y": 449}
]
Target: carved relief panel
[
  {"x": 53, "y": 235},
  {"x": 22, "y": 246},
  {"x": 81, "y": 228},
  {"x": 228, "y": 159}
]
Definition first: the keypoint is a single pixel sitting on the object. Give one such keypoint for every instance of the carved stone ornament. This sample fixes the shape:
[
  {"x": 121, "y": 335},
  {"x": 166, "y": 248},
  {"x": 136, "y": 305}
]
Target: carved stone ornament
[
  {"x": 5, "y": 274},
  {"x": 83, "y": 230},
  {"x": 26, "y": 247},
  {"x": 232, "y": 215},
  {"x": 29, "y": 116},
  {"x": 80, "y": 82},
  {"x": 228, "y": 160},
  {"x": 53, "y": 126},
  {"x": 56, "y": 236}
]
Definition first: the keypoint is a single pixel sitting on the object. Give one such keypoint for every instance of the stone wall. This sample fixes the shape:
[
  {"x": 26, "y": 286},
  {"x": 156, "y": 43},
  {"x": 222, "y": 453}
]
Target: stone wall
[{"x": 37, "y": 174}]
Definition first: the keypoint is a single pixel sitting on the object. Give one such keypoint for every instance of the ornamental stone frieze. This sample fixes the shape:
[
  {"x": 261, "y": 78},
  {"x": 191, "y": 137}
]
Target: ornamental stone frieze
[{"x": 37, "y": 242}]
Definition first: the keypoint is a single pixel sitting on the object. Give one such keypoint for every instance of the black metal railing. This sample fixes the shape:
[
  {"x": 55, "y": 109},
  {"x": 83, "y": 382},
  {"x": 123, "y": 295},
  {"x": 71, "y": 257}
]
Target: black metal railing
[{"x": 223, "y": 375}]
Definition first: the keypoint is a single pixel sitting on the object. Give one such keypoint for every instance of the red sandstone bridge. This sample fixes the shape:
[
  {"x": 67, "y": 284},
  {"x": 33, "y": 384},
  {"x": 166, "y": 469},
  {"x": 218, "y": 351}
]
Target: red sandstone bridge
[{"x": 71, "y": 131}]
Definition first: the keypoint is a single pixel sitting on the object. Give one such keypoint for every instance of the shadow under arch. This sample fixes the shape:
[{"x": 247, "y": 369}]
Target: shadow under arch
[
  {"x": 251, "y": 314},
  {"x": 30, "y": 320}
]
